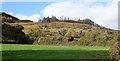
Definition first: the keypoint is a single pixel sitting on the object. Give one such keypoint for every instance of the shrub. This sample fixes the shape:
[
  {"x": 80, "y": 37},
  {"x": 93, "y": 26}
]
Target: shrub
[
  {"x": 34, "y": 35},
  {"x": 81, "y": 33},
  {"x": 115, "y": 51},
  {"x": 13, "y": 34},
  {"x": 20, "y": 27},
  {"x": 63, "y": 32}
]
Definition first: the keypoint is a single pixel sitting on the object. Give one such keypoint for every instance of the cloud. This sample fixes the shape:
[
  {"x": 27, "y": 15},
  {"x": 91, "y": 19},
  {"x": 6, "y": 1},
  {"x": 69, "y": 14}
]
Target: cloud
[
  {"x": 34, "y": 17},
  {"x": 11, "y": 13},
  {"x": 54, "y": 0},
  {"x": 105, "y": 14}
]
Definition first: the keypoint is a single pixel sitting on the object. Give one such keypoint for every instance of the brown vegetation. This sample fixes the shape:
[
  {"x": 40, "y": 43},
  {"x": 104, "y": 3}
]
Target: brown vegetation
[{"x": 115, "y": 51}]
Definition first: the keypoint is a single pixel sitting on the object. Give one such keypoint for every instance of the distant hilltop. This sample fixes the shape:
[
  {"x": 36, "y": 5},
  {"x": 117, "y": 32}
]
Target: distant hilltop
[
  {"x": 11, "y": 19},
  {"x": 7, "y": 16},
  {"x": 54, "y": 19}
]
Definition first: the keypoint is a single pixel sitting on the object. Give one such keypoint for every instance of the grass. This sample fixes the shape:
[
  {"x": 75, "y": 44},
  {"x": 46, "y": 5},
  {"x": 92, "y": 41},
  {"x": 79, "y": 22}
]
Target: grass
[
  {"x": 28, "y": 28},
  {"x": 19, "y": 51},
  {"x": 53, "y": 30}
]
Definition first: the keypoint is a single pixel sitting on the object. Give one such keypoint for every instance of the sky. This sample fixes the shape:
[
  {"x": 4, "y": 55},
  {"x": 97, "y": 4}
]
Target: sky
[{"x": 103, "y": 12}]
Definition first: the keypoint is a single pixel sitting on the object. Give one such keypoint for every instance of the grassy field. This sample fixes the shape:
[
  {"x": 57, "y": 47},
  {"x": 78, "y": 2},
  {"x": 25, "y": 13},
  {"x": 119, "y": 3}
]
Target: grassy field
[
  {"x": 29, "y": 28},
  {"x": 19, "y": 51}
]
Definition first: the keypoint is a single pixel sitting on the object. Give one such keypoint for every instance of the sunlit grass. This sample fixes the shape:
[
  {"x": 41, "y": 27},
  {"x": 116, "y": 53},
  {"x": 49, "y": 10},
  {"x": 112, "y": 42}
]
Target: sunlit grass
[{"x": 19, "y": 51}]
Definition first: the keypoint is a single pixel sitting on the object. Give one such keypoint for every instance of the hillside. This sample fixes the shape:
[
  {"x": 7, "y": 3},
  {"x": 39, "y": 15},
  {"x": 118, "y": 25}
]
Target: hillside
[
  {"x": 7, "y": 16},
  {"x": 62, "y": 33},
  {"x": 10, "y": 18},
  {"x": 53, "y": 31}
]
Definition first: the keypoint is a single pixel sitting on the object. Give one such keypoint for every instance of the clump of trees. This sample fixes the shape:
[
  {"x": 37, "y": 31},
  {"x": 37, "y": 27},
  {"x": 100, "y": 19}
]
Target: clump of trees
[
  {"x": 48, "y": 19},
  {"x": 14, "y": 34},
  {"x": 87, "y": 21},
  {"x": 65, "y": 19}
]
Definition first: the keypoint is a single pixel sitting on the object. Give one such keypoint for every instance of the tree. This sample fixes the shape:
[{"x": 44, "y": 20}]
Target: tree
[
  {"x": 87, "y": 21},
  {"x": 14, "y": 34},
  {"x": 53, "y": 19},
  {"x": 46, "y": 19},
  {"x": 39, "y": 20}
]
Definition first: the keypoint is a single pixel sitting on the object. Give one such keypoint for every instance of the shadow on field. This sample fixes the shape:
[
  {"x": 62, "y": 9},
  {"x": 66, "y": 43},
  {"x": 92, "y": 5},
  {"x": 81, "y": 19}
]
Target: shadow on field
[{"x": 56, "y": 55}]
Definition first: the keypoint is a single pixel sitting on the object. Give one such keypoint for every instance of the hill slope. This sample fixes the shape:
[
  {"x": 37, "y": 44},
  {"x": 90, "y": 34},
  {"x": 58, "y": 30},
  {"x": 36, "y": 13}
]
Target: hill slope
[
  {"x": 62, "y": 33},
  {"x": 66, "y": 32},
  {"x": 10, "y": 18}
]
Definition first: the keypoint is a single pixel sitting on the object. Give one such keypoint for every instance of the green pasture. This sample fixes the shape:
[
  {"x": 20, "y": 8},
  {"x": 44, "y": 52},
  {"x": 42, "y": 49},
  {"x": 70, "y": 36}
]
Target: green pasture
[{"x": 20, "y": 51}]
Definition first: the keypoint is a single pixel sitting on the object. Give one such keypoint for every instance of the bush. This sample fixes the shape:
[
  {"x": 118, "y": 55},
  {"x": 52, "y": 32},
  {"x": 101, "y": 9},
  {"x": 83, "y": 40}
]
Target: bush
[
  {"x": 115, "y": 51},
  {"x": 63, "y": 32},
  {"x": 20, "y": 27},
  {"x": 81, "y": 34},
  {"x": 13, "y": 34}
]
